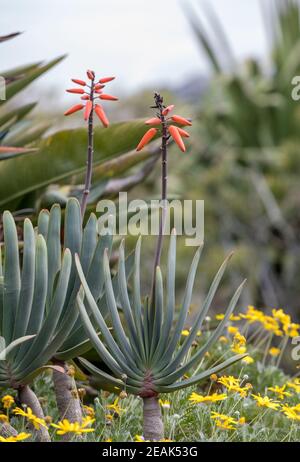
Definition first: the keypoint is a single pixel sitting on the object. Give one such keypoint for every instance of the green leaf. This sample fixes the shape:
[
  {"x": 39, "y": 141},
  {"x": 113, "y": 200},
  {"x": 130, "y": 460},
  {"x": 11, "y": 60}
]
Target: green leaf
[
  {"x": 14, "y": 344},
  {"x": 12, "y": 278},
  {"x": 111, "y": 344},
  {"x": 48, "y": 327},
  {"x": 200, "y": 318},
  {"x": 53, "y": 246},
  {"x": 168, "y": 321},
  {"x": 136, "y": 343},
  {"x": 197, "y": 378},
  {"x": 158, "y": 311},
  {"x": 201, "y": 352},
  {"x": 17, "y": 86},
  {"x": 63, "y": 155},
  {"x": 17, "y": 114},
  {"x": 27, "y": 281},
  {"x": 183, "y": 310}
]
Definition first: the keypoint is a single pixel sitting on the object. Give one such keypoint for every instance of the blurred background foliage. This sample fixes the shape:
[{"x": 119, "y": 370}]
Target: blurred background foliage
[{"x": 242, "y": 159}]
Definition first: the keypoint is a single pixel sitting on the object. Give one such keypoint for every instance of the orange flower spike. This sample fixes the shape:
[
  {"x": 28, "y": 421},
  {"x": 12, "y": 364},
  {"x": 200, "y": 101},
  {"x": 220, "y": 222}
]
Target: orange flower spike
[
  {"x": 88, "y": 109},
  {"x": 181, "y": 120},
  {"x": 149, "y": 135},
  {"x": 73, "y": 109},
  {"x": 153, "y": 121},
  {"x": 101, "y": 114},
  {"x": 183, "y": 133},
  {"x": 90, "y": 74},
  {"x": 108, "y": 97},
  {"x": 106, "y": 79},
  {"x": 176, "y": 137},
  {"x": 79, "y": 82},
  {"x": 168, "y": 109}
]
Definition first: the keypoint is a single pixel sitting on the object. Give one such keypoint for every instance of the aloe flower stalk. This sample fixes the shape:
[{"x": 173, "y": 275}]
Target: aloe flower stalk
[
  {"x": 167, "y": 131},
  {"x": 65, "y": 388},
  {"x": 143, "y": 353},
  {"x": 90, "y": 92}
]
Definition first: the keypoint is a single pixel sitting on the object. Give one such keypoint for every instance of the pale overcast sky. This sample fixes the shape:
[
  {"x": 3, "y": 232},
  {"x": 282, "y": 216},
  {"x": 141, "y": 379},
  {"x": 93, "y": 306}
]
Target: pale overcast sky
[{"x": 143, "y": 42}]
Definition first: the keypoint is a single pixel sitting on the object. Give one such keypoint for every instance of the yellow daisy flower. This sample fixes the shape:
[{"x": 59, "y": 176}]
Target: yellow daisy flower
[
  {"x": 265, "y": 401},
  {"x": 7, "y": 401}
]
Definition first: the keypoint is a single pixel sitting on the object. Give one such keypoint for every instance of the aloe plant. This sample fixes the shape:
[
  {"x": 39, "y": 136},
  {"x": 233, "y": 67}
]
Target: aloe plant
[
  {"x": 30, "y": 305},
  {"x": 38, "y": 298},
  {"x": 86, "y": 241},
  {"x": 144, "y": 355}
]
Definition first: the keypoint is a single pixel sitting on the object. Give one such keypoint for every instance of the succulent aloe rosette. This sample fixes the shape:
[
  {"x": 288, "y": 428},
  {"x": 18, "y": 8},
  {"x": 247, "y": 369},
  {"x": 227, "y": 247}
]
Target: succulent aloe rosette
[
  {"x": 38, "y": 300},
  {"x": 143, "y": 353},
  {"x": 32, "y": 297},
  {"x": 90, "y": 92},
  {"x": 85, "y": 241}
]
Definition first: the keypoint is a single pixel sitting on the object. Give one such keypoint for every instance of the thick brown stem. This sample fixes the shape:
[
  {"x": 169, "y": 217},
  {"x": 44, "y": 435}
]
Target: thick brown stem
[
  {"x": 28, "y": 397},
  {"x": 153, "y": 424},
  {"x": 7, "y": 430},
  {"x": 67, "y": 398}
]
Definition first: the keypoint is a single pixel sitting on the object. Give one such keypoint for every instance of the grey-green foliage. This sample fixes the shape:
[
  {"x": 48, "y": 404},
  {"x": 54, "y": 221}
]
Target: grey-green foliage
[
  {"x": 29, "y": 306},
  {"x": 86, "y": 242},
  {"x": 13, "y": 120},
  {"x": 144, "y": 353},
  {"x": 38, "y": 297}
]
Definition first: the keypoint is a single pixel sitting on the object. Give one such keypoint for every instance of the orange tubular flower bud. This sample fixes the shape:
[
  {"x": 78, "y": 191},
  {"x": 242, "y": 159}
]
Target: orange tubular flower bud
[
  {"x": 146, "y": 138},
  {"x": 176, "y": 137},
  {"x": 101, "y": 114},
  {"x": 183, "y": 133},
  {"x": 88, "y": 109},
  {"x": 85, "y": 97},
  {"x": 79, "y": 82},
  {"x": 181, "y": 120},
  {"x": 80, "y": 91},
  {"x": 90, "y": 74},
  {"x": 98, "y": 86},
  {"x": 106, "y": 79},
  {"x": 168, "y": 109},
  {"x": 73, "y": 109},
  {"x": 153, "y": 121},
  {"x": 108, "y": 97}
]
